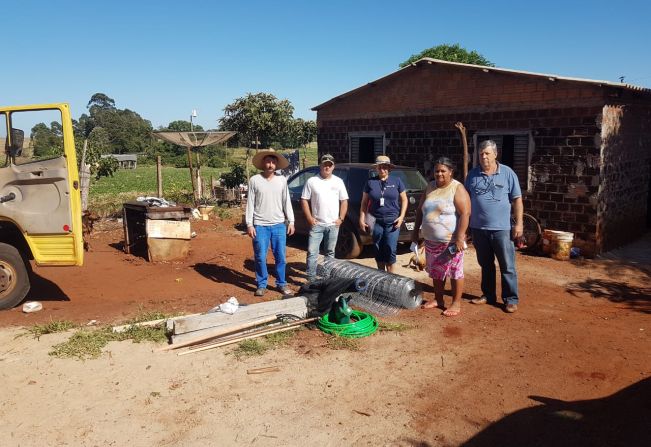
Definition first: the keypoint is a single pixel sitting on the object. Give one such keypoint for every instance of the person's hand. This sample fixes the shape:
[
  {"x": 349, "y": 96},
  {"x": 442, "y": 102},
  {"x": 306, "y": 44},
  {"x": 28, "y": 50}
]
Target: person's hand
[
  {"x": 517, "y": 231},
  {"x": 251, "y": 231},
  {"x": 312, "y": 221},
  {"x": 363, "y": 226},
  {"x": 290, "y": 229},
  {"x": 338, "y": 222},
  {"x": 398, "y": 222},
  {"x": 460, "y": 243}
]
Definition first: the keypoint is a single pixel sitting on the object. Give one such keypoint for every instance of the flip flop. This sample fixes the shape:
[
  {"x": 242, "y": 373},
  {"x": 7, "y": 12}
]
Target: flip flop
[
  {"x": 430, "y": 305},
  {"x": 451, "y": 313}
]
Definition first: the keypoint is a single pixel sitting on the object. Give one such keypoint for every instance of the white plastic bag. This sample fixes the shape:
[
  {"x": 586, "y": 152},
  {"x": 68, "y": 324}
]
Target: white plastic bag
[
  {"x": 32, "y": 306},
  {"x": 414, "y": 248},
  {"x": 230, "y": 306}
]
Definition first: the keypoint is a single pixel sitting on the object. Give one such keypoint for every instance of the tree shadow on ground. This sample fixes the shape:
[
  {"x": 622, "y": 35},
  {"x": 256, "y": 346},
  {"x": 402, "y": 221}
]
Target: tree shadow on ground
[
  {"x": 637, "y": 298},
  {"x": 43, "y": 289},
  {"x": 621, "y": 419},
  {"x": 245, "y": 281}
]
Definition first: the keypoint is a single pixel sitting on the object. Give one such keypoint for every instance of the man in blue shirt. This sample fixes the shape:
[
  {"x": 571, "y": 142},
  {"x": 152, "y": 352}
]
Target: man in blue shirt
[{"x": 495, "y": 191}]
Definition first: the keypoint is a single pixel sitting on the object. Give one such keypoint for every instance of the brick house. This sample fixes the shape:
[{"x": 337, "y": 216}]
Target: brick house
[{"x": 581, "y": 148}]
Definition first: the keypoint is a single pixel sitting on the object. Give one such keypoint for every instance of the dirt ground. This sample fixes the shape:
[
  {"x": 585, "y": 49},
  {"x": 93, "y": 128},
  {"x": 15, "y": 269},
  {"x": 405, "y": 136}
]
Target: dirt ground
[{"x": 571, "y": 367}]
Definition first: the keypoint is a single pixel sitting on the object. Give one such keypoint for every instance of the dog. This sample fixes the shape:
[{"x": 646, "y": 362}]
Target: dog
[
  {"x": 418, "y": 265},
  {"x": 88, "y": 219}
]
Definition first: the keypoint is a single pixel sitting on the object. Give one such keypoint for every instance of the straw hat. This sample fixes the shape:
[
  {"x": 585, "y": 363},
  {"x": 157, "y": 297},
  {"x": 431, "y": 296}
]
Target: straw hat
[
  {"x": 258, "y": 158},
  {"x": 383, "y": 160}
]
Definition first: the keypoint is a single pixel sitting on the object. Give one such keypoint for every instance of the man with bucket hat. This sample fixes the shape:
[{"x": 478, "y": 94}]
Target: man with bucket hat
[
  {"x": 268, "y": 208},
  {"x": 325, "y": 202}
]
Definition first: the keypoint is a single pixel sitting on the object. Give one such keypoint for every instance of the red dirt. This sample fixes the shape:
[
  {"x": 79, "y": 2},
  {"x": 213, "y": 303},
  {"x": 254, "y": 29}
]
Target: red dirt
[{"x": 582, "y": 332}]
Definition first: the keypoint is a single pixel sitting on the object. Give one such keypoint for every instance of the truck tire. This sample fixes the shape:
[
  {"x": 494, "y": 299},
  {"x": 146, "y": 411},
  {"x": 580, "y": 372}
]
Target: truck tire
[
  {"x": 14, "y": 278},
  {"x": 348, "y": 244}
]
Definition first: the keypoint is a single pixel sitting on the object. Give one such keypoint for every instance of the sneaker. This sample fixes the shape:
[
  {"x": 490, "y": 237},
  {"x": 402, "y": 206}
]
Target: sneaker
[
  {"x": 510, "y": 308},
  {"x": 260, "y": 291},
  {"x": 286, "y": 291}
]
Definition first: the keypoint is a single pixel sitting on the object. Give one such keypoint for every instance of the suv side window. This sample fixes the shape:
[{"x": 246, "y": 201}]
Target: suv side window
[
  {"x": 296, "y": 184},
  {"x": 342, "y": 174}
]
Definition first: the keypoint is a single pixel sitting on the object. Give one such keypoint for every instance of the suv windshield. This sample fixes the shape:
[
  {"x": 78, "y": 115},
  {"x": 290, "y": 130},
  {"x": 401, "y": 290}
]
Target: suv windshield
[{"x": 412, "y": 179}]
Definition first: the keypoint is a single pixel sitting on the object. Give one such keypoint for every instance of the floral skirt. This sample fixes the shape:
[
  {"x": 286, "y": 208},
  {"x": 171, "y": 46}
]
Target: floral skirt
[{"x": 441, "y": 267}]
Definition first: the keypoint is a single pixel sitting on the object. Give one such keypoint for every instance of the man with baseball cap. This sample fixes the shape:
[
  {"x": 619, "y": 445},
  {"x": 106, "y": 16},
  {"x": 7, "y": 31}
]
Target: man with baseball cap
[{"x": 325, "y": 202}]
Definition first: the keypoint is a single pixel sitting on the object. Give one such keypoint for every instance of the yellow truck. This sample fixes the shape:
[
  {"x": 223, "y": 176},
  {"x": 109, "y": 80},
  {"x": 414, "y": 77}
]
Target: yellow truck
[{"x": 40, "y": 200}]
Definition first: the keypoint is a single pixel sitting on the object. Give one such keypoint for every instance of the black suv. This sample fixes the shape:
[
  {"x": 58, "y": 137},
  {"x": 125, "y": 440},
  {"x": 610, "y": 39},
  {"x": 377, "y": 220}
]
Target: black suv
[{"x": 355, "y": 175}]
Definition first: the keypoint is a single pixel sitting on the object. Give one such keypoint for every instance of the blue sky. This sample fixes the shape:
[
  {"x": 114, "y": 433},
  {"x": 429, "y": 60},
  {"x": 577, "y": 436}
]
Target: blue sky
[{"x": 164, "y": 58}]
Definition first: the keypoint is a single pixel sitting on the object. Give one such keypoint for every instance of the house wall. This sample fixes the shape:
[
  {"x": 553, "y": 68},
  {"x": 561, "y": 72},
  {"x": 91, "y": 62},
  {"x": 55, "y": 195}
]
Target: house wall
[
  {"x": 564, "y": 169},
  {"x": 626, "y": 168},
  {"x": 579, "y": 172}
]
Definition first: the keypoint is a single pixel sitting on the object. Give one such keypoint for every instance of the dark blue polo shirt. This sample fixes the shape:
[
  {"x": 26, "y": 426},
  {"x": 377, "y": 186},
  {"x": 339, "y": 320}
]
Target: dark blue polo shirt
[{"x": 390, "y": 190}]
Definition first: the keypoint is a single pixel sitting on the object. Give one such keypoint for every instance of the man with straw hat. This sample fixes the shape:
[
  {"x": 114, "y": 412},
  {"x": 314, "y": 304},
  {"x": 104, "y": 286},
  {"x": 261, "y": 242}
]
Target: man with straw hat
[{"x": 268, "y": 208}]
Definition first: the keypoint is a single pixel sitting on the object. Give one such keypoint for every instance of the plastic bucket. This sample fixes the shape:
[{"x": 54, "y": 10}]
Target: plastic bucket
[
  {"x": 561, "y": 245},
  {"x": 547, "y": 241}
]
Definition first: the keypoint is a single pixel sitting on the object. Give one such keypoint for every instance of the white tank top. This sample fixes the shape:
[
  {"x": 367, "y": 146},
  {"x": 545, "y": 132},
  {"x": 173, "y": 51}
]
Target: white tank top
[{"x": 439, "y": 213}]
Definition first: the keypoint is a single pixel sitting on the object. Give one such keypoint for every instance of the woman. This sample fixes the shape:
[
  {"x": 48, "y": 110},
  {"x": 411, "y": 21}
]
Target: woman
[
  {"x": 383, "y": 209},
  {"x": 444, "y": 212}
]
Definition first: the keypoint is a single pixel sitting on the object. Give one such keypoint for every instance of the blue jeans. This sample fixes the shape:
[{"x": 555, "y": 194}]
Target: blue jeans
[
  {"x": 491, "y": 244},
  {"x": 276, "y": 235},
  {"x": 319, "y": 233},
  {"x": 385, "y": 239}
]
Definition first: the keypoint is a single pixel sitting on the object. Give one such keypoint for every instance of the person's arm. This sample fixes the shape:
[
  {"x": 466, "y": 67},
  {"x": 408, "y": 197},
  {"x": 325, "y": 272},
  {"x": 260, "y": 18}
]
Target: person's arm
[
  {"x": 343, "y": 209},
  {"x": 250, "y": 203},
  {"x": 419, "y": 218},
  {"x": 462, "y": 207},
  {"x": 289, "y": 211},
  {"x": 362, "y": 213},
  {"x": 518, "y": 210},
  {"x": 404, "y": 202},
  {"x": 305, "y": 205}
]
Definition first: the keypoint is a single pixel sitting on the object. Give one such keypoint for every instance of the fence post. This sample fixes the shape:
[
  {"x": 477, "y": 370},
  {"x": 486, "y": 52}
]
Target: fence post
[{"x": 159, "y": 177}]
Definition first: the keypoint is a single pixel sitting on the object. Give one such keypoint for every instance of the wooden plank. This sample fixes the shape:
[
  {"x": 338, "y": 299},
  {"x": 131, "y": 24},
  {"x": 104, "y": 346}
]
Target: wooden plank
[
  {"x": 191, "y": 338},
  {"x": 168, "y": 229},
  {"x": 244, "y": 313}
]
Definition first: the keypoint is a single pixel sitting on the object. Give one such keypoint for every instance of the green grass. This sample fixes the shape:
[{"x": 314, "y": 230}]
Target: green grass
[
  {"x": 339, "y": 343},
  {"x": 88, "y": 344},
  {"x": 50, "y": 328},
  {"x": 107, "y": 194},
  {"x": 258, "y": 346}
]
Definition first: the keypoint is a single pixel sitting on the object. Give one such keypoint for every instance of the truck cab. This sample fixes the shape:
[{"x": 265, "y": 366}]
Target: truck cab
[{"x": 40, "y": 200}]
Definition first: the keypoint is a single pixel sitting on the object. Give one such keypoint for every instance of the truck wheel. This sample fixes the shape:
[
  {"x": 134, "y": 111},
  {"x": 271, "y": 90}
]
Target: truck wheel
[
  {"x": 14, "y": 279},
  {"x": 348, "y": 245}
]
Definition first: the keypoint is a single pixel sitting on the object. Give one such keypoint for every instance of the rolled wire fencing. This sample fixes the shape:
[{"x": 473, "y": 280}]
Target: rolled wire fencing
[{"x": 379, "y": 292}]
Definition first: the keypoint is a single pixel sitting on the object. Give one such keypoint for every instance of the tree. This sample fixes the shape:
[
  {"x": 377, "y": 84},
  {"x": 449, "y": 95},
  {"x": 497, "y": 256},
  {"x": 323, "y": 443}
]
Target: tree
[
  {"x": 183, "y": 126},
  {"x": 451, "y": 53},
  {"x": 259, "y": 119},
  {"x": 47, "y": 141}
]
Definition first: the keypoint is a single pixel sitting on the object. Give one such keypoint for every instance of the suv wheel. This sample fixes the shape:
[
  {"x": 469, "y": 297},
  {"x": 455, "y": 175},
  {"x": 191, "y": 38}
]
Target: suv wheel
[
  {"x": 348, "y": 244},
  {"x": 14, "y": 280}
]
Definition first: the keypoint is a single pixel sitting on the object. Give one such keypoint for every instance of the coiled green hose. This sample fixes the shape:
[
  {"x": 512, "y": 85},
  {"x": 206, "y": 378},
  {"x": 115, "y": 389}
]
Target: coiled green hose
[{"x": 365, "y": 325}]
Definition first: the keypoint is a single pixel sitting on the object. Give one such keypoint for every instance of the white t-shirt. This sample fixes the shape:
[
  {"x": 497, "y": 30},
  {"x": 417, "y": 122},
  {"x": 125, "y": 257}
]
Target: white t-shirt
[{"x": 324, "y": 196}]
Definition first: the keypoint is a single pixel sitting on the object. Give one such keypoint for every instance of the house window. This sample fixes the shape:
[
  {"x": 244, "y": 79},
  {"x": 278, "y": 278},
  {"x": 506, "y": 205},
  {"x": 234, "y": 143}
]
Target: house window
[
  {"x": 364, "y": 147},
  {"x": 513, "y": 149}
]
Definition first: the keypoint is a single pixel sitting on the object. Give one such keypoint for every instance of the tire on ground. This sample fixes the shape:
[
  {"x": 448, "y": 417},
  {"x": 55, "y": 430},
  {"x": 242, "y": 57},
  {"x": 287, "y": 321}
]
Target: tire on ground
[
  {"x": 14, "y": 277},
  {"x": 348, "y": 244}
]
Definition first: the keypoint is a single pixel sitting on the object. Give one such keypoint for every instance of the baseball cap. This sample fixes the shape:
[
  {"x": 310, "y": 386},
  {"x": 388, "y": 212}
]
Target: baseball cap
[{"x": 327, "y": 158}]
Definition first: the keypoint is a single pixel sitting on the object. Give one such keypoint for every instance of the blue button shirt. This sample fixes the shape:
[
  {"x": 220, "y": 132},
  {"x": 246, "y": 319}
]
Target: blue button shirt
[
  {"x": 491, "y": 197},
  {"x": 390, "y": 190}
]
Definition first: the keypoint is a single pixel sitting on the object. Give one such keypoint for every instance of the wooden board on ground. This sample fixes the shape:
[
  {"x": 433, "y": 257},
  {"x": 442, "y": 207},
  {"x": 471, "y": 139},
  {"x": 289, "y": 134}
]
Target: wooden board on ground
[{"x": 294, "y": 306}]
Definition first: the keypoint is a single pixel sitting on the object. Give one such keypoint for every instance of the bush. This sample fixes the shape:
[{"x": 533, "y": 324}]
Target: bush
[{"x": 235, "y": 177}]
